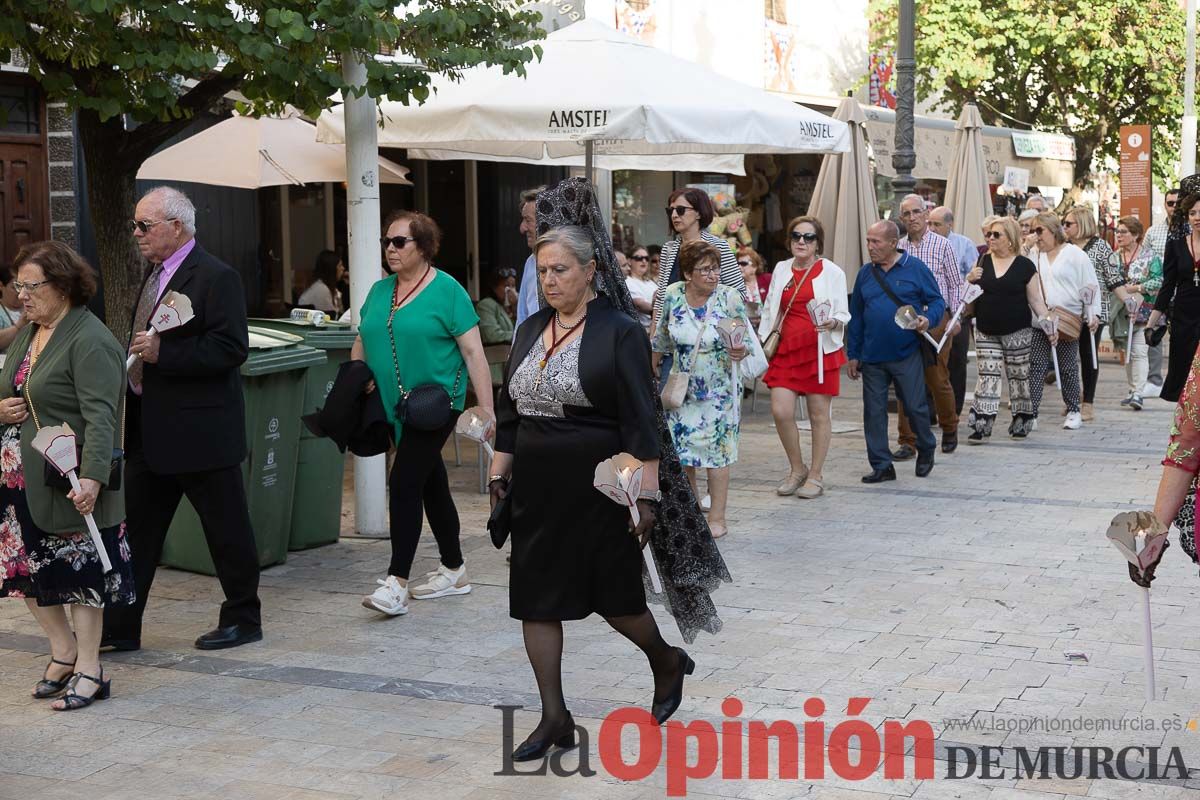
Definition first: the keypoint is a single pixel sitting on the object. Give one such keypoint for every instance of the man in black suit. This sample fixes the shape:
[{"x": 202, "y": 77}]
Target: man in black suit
[{"x": 186, "y": 423}]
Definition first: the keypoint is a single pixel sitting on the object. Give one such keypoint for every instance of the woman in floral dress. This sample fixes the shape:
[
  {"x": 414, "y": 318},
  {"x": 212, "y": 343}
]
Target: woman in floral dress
[
  {"x": 705, "y": 427},
  {"x": 64, "y": 367}
]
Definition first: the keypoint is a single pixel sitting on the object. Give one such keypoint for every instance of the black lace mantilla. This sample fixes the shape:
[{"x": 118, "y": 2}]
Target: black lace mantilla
[{"x": 689, "y": 563}]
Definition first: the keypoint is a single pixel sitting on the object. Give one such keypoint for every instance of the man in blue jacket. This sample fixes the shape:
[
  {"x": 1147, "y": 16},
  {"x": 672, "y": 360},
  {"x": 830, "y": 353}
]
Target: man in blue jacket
[{"x": 884, "y": 353}]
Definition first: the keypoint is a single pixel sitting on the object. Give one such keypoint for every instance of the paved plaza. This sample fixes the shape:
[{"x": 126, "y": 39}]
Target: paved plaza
[{"x": 953, "y": 600}]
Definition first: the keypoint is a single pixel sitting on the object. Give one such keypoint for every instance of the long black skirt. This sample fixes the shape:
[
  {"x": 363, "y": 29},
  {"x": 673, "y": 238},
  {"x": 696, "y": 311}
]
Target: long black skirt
[
  {"x": 1185, "y": 337},
  {"x": 572, "y": 551}
]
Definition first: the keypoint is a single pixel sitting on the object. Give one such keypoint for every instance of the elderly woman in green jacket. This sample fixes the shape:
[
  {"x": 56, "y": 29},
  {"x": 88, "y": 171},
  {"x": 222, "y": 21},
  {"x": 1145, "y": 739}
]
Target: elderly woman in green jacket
[{"x": 64, "y": 367}]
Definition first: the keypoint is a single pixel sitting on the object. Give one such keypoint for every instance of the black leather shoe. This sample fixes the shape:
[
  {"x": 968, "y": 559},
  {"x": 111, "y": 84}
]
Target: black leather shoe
[
  {"x": 949, "y": 442},
  {"x": 663, "y": 709},
  {"x": 888, "y": 473},
  {"x": 904, "y": 453},
  {"x": 924, "y": 465},
  {"x": 115, "y": 645},
  {"x": 229, "y": 636},
  {"x": 533, "y": 749}
]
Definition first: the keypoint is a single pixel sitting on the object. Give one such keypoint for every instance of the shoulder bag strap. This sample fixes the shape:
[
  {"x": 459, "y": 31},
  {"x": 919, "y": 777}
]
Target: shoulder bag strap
[
  {"x": 37, "y": 424},
  {"x": 875, "y": 273},
  {"x": 395, "y": 364},
  {"x": 780, "y": 318}
]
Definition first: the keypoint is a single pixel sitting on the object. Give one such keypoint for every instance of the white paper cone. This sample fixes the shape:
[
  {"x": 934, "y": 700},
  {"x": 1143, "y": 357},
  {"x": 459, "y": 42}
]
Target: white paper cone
[
  {"x": 634, "y": 514},
  {"x": 820, "y": 360},
  {"x": 950, "y": 326},
  {"x": 1095, "y": 347},
  {"x": 95, "y": 531},
  {"x": 1054, "y": 358},
  {"x": 1148, "y": 645},
  {"x": 1128, "y": 343},
  {"x": 932, "y": 340},
  {"x": 655, "y": 580}
]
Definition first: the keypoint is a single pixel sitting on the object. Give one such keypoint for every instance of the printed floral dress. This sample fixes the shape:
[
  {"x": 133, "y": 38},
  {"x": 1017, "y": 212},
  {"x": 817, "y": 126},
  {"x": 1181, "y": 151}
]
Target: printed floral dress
[
  {"x": 705, "y": 427},
  {"x": 1183, "y": 453},
  {"x": 54, "y": 569}
]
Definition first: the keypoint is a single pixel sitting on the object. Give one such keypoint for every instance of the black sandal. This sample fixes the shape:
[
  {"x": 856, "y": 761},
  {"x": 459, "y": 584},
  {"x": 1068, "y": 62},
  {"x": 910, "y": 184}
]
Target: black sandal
[
  {"x": 73, "y": 701},
  {"x": 47, "y": 687}
]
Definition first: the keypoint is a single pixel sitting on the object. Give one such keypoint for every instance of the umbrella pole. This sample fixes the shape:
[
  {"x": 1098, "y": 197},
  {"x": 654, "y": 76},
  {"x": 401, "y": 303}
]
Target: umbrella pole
[{"x": 589, "y": 160}]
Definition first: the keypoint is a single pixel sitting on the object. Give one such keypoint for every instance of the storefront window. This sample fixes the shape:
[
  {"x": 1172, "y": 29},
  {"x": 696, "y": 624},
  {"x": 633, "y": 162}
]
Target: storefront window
[{"x": 19, "y": 110}]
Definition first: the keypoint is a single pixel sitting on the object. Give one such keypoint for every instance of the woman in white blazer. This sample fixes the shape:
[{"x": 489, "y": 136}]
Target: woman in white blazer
[{"x": 809, "y": 358}]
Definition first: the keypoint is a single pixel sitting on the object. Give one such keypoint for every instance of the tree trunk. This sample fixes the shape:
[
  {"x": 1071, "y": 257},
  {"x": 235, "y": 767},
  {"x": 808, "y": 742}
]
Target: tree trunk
[{"x": 112, "y": 196}]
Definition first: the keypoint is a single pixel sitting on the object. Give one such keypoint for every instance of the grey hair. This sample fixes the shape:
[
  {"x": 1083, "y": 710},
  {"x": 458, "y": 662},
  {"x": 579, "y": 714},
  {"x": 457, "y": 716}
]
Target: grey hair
[
  {"x": 175, "y": 205},
  {"x": 530, "y": 195},
  {"x": 1027, "y": 214},
  {"x": 916, "y": 197},
  {"x": 576, "y": 239}
]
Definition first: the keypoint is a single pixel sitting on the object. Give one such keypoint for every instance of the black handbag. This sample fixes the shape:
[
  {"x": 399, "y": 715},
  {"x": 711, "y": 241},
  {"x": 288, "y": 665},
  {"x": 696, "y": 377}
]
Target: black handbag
[
  {"x": 427, "y": 407},
  {"x": 54, "y": 479},
  {"x": 500, "y": 520}
]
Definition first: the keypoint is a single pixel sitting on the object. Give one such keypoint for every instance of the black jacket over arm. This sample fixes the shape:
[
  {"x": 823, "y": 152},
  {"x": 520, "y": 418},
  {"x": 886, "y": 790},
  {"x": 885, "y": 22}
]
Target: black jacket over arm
[
  {"x": 192, "y": 416},
  {"x": 614, "y": 368}
]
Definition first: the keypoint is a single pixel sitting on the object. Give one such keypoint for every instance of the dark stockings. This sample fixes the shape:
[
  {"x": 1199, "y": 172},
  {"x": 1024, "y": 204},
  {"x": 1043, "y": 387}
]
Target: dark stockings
[{"x": 544, "y": 646}]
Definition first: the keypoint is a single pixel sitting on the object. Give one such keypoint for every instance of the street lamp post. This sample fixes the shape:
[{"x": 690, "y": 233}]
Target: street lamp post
[{"x": 904, "y": 156}]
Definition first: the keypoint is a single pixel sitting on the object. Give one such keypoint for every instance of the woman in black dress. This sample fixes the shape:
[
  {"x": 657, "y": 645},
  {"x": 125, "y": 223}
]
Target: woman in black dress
[
  {"x": 578, "y": 390},
  {"x": 1180, "y": 293}
]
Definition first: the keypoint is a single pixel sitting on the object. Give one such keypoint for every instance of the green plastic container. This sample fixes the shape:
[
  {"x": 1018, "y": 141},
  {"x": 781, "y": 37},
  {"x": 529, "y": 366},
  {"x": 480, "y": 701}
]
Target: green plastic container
[
  {"x": 317, "y": 505},
  {"x": 273, "y": 384}
]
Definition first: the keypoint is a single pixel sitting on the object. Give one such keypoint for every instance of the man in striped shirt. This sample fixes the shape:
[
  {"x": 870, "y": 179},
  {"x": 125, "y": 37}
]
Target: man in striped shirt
[{"x": 936, "y": 253}]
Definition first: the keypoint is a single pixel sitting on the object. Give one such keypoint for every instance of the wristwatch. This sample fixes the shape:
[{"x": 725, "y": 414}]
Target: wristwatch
[
  {"x": 495, "y": 478},
  {"x": 654, "y": 496}
]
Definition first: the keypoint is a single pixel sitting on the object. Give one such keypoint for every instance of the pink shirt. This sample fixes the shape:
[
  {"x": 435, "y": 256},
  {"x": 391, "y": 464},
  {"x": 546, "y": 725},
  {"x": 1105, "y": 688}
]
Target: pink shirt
[{"x": 171, "y": 265}]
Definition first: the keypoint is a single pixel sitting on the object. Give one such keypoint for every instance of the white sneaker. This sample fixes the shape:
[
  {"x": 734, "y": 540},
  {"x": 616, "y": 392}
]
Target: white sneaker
[
  {"x": 390, "y": 598},
  {"x": 443, "y": 583},
  {"x": 1074, "y": 421},
  {"x": 706, "y": 503},
  {"x": 1151, "y": 390},
  {"x": 1033, "y": 424}
]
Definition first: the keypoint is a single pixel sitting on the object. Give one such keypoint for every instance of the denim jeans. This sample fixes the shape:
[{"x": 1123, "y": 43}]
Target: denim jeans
[{"x": 908, "y": 376}]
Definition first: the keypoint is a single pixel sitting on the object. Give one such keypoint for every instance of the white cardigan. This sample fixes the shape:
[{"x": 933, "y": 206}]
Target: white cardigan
[
  {"x": 829, "y": 285},
  {"x": 1063, "y": 281}
]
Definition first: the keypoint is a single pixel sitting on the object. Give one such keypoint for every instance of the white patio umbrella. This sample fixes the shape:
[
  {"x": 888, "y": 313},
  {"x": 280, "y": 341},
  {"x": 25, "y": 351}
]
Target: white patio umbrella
[
  {"x": 967, "y": 186},
  {"x": 844, "y": 197},
  {"x": 597, "y": 90},
  {"x": 250, "y": 153}
]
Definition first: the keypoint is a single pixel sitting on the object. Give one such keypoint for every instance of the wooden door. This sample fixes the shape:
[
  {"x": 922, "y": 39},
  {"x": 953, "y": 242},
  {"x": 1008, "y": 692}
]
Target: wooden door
[{"x": 23, "y": 198}]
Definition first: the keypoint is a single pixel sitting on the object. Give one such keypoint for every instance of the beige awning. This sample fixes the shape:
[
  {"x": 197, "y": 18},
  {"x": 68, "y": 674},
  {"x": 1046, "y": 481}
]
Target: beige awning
[{"x": 844, "y": 197}]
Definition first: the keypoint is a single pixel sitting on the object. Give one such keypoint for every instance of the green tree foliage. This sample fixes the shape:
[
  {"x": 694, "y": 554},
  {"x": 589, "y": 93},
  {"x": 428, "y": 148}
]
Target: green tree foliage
[
  {"x": 156, "y": 65},
  {"x": 1083, "y": 69}
]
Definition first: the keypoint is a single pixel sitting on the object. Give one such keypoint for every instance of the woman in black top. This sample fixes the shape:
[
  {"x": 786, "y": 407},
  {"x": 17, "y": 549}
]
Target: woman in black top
[
  {"x": 1180, "y": 292},
  {"x": 1003, "y": 336}
]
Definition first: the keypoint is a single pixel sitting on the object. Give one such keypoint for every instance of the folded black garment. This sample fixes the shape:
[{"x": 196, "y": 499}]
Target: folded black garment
[{"x": 351, "y": 417}]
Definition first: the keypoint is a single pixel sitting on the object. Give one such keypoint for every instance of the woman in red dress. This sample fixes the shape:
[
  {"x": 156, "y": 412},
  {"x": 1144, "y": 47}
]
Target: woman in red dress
[{"x": 794, "y": 372}]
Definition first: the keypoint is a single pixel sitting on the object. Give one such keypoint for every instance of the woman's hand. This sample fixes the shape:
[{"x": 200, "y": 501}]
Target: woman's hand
[
  {"x": 1156, "y": 319},
  {"x": 975, "y": 274},
  {"x": 738, "y": 353},
  {"x": 370, "y": 386},
  {"x": 648, "y": 515},
  {"x": 497, "y": 491},
  {"x": 13, "y": 410},
  {"x": 827, "y": 326},
  {"x": 1094, "y": 324},
  {"x": 85, "y": 499}
]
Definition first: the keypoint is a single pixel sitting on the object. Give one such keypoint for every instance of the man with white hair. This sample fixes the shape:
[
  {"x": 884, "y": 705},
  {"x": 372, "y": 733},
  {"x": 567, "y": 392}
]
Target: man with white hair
[
  {"x": 1035, "y": 202},
  {"x": 941, "y": 222},
  {"x": 186, "y": 422}
]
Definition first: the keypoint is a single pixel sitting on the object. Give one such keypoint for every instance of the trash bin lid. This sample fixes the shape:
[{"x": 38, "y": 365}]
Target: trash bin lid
[
  {"x": 330, "y": 336},
  {"x": 275, "y": 351}
]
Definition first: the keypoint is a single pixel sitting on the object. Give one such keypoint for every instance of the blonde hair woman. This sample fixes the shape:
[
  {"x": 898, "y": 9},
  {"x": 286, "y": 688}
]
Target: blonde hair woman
[
  {"x": 1003, "y": 336},
  {"x": 1079, "y": 226},
  {"x": 793, "y": 371}
]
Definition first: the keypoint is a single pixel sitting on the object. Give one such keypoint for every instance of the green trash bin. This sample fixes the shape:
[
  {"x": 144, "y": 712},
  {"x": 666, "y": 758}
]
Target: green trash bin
[
  {"x": 317, "y": 506},
  {"x": 273, "y": 385}
]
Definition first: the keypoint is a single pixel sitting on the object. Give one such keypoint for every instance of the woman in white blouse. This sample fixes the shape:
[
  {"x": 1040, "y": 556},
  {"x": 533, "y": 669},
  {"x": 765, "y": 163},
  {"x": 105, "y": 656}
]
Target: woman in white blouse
[
  {"x": 1067, "y": 275},
  {"x": 322, "y": 294},
  {"x": 794, "y": 372},
  {"x": 641, "y": 283}
]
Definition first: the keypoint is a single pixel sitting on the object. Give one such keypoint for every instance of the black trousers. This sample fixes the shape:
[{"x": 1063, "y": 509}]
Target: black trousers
[
  {"x": 419, "y": 481},
  {"x": 957, "y": 365},
  {"x": 219, "y": 498},
  {"x": 1087, "y": 344}
]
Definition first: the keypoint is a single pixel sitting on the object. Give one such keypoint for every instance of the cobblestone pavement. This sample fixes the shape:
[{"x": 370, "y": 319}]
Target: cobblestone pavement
[{"x": 949, "y": 599}]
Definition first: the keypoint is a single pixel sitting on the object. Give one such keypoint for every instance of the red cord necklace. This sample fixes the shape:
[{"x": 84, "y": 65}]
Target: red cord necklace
[{"x": 555, "y": 342}]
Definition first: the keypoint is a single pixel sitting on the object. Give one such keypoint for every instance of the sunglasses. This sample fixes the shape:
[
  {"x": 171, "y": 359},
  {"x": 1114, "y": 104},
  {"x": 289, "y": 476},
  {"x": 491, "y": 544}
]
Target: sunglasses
[
  {"x": 1172, "y": 203},
  {"x": 807, "y": 237},
  {"x": 1038, "y": 231},
  {"x": 678, "y": 210},
  {"x": 639, "y": 258},
  {"x": 144, "y": 225},
  {"x": 993, "y": 235},
  {"x": 397, "y": 242},
  {"x": 745, "y": 263}
]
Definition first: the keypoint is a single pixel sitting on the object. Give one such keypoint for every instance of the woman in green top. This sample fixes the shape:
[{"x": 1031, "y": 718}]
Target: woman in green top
[
  {"x": 64, "y": 367},
  {"x": 495, "y": 323},
  {"x": 418, "y": 327}
]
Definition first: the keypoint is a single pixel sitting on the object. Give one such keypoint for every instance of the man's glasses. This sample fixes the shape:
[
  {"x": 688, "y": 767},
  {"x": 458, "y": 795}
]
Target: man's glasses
[
  {"x": 639, "y": 258},
  {"x": 144, "y": 225},
  {"x": 807, "y": 237},
  {"x": 993, "y": 235},
  {"x": 912, "y": 212},
  {"x": 397, "y": 242},
  {"x": 678, "y": 210}
]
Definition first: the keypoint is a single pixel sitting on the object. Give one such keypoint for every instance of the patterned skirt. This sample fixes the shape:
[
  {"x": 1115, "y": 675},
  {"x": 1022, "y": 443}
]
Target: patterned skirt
[{"x": 54, "y": 568}]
